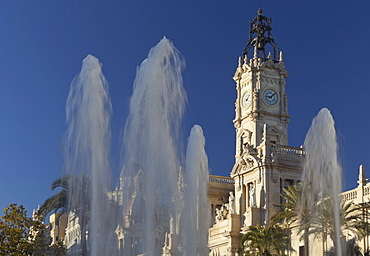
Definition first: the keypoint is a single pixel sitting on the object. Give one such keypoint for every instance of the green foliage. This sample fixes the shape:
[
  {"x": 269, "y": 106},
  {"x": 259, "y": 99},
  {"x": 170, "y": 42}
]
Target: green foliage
[
  {"x": 73, "y": 196},
  {"x": 15, "y": 231},
  {"x": 349, "y": 248},
  {"x": 317, "y": 217},
  {"x": 261, "y": 240},
  {"x": 21, "y": 235},
  {"x": 58, "y": 249},
  {"x": 292, "y": 210},
  {"x": 350, "y": 220},
  {"x": 289, "y": 209},
  {"x": 59, "y": 201}
]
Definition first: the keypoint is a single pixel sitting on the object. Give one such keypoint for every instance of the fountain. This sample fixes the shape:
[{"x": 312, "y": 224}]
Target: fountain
[
  {"x": 152, "y": 139},
  {"x": 87, "y": 144},
  {"x": 322, "y": 170},
  {"x": 196, "y": 215},
  {"x": 163, "y": 196}
]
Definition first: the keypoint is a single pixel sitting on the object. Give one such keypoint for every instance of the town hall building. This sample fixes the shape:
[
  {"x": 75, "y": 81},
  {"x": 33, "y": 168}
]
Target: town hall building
[{"x": 265, "y": 163}]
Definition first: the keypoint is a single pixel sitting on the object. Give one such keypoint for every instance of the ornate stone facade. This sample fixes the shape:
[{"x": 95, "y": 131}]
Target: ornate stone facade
[{"x": 264, "y": 162}]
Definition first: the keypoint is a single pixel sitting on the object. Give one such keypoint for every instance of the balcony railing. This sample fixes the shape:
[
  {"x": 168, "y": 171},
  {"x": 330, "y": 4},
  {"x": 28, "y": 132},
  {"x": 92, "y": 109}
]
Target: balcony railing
[
  {"x": 221, "y": 179},
  {"x": 289, "y": 151},
  {"x": 349, "y": 195}
]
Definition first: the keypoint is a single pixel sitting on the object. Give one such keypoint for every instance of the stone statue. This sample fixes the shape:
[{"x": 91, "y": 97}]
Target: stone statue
[
  {"x": 172, "y": 225},
  {"x": 166, "y": 240},
  {"x": 218, "y": 215},
  {"x": 245, "y": 223},
  {"x": 231, "y": 203},
  {"x": 223, "y": 213},
  {"x": 246, "y": 136},
  {"x": 252, "y": 202}
]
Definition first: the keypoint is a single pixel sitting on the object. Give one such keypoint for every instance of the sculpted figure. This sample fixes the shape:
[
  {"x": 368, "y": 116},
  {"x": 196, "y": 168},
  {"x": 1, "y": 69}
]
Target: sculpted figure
[
  {"x": 172, "y": 225},
  {"x": 223, "y": 213},
  {"x": 231, "y": 203},
  {"x": 245, "y": 223},
  {"x": 218, "y": 215},
  {"x": 252, "y": 201}
]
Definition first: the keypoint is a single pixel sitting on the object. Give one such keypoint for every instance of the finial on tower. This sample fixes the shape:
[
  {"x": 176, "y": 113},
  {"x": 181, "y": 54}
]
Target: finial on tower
[
  {"x": 281, "y": 59},
  {"x": 260, "y": 36},
  {"x": 240, "y": 62},
  {"x": 361, "y": 176},
  {"x": 255, "y": 53}
]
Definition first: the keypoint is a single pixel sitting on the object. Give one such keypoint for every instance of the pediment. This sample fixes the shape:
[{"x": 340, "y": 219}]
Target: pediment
[
  {"x": 236, "y": 169},
  {"x": 249, "y": 162},
  {"x": 245, "y": 164},
  {"x": 273, "y": 130}
]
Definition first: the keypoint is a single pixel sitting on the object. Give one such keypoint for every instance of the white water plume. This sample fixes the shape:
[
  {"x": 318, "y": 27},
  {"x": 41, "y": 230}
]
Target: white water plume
[
  {"x": 196, "y": 214},
  {"x": 87, "y": 144},
  {"x": 151, "y": 205},
  {"x": 322, "y": 169},
  {"x": 152, "y": 139}
]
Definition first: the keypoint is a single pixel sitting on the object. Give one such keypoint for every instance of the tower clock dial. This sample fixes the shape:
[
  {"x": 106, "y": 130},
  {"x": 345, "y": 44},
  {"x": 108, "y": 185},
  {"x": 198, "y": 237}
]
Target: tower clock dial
[
  {"x": 270, "y": 97},
  {"x": 246, "y": 101}
]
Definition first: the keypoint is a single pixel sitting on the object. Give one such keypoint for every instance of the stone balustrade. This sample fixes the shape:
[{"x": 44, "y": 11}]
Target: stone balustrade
[
  {"x": 288, "y": 150},
  {"x": 355, "y": 194},
  {"x": 221, "y": 179},
  {"x": 366, "y": 190},
  {"x": 349, "y": 195}
]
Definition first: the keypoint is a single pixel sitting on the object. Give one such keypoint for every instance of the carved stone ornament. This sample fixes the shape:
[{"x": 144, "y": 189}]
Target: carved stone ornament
[
  {"x": 249, "y": 149},
  {"x": 278, "y": 66},
  {"x": 246, "y": 136},
  {"x": 236, "y": 122},
  {"x": 244, "y": 168},
  {"x": 249, "y": 163},
  {"x": 241, "y": 161}
]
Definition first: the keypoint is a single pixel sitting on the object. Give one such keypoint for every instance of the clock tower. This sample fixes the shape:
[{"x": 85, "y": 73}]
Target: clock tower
[{"x": 264, "y": 163}]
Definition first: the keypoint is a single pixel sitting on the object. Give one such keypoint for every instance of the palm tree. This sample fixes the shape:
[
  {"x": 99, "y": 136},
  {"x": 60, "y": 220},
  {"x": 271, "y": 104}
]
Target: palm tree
[
  {"x": 262, "y": 240},
  {"x": 351, "y": 249},
  {"x": 59, "y": 201},
  {"x": 293, "y": 209},
  {"x": 288, "y": 214},
  {"x": 318, "y": 219},
  {"x": 74, "y": 196},
  {"x": 350, "y": 220},
  {"x": 289, "y": 209}
]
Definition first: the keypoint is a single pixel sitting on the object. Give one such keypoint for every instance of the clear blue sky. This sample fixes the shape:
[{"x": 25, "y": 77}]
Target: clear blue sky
[{"x": 326, "y": 47}]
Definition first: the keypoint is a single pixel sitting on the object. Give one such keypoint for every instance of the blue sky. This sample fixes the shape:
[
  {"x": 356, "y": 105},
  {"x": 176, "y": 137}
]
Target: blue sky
[{"x": 42, "y": 45}]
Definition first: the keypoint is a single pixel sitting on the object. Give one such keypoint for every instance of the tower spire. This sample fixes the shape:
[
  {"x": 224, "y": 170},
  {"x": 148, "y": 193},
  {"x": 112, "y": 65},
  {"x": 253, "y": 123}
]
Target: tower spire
[{"x": 260, "y": 36}]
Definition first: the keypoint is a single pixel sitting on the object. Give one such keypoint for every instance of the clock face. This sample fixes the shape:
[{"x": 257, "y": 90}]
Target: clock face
[
  {"x": 270, "y": 97},
  {"x": 246, "y": 101}
]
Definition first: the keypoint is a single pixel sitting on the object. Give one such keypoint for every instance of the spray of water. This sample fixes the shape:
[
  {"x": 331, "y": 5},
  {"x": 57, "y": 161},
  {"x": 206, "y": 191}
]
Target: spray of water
[
  {"x": 153, "y": 206},
  {"x": 322, "y": 169},
  {"x": 196, "y": 212},
  {"x": 87, "y": 144},
  {"x": 152, "y": 140}
]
